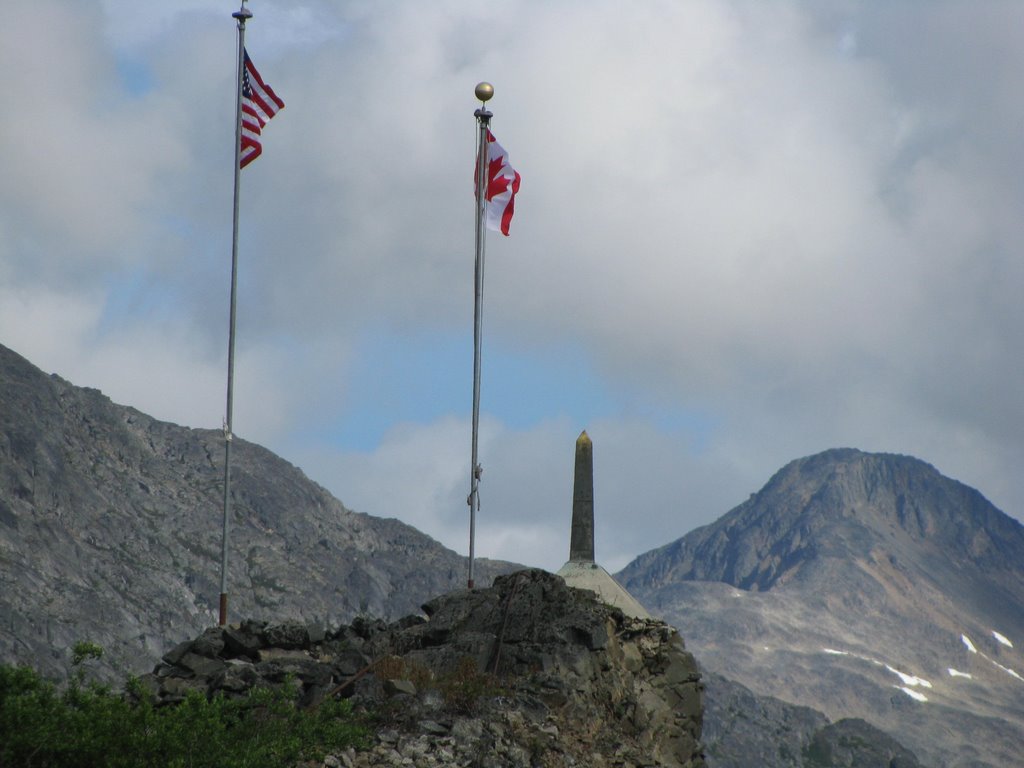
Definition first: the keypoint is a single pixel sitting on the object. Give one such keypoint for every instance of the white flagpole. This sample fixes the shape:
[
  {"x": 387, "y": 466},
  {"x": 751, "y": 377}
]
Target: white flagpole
[
  {"x": 484, "y": 91},
  {"x": 242, "y": 15}
]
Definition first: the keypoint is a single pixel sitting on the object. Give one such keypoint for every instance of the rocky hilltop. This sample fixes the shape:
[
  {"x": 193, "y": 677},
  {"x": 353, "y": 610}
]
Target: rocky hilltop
[
  {"x": 863, "y": 586},
  {"x": 110, "y": 532},
  {"x": 527, "y": 674}
]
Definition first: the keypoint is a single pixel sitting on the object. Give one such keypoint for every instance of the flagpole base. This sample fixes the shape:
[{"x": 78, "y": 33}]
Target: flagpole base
[{"x": 223, "y": 609}]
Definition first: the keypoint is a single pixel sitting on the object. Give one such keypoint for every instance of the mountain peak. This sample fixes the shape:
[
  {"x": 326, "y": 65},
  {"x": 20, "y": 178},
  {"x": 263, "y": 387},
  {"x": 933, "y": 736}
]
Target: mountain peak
[
  {"x": 864, "y": 585},
  {"x": 841, "y": 504}
]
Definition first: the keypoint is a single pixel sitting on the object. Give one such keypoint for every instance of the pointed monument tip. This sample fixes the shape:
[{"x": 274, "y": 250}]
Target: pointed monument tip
[{"x": 583, "y": 438}]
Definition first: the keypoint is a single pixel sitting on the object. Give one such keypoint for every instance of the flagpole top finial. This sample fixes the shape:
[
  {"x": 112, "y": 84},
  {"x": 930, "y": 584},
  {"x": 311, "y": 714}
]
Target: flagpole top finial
[
  {"x": 484, "y": 91},
  {"x": 242, "y": 13}
]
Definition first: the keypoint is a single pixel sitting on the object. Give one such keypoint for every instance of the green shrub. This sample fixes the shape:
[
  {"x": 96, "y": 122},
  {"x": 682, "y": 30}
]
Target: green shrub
[
  {"x": 91, "y": 727},
  {"x": 83, "y": 650}
]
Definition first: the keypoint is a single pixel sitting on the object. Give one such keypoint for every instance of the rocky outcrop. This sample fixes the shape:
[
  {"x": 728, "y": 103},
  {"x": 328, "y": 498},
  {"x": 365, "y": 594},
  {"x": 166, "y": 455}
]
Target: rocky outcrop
[{"x": 529, "y": 673}]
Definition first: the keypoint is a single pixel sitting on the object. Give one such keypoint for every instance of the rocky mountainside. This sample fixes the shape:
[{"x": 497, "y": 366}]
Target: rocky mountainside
[
  {"x": 110, "y": 531},
  {"x": 745, "y": 730},
  {"x": 863, "y": 586}
]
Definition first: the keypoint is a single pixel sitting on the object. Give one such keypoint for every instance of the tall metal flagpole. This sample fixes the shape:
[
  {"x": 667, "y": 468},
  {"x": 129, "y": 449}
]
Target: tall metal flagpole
[
  {"x": 484, "y": 91},
  {"x": 242, "y": 15}
]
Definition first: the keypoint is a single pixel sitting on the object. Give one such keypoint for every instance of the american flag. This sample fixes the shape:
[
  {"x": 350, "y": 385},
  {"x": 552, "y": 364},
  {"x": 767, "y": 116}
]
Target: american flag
[{"x": 259, "y": 104}]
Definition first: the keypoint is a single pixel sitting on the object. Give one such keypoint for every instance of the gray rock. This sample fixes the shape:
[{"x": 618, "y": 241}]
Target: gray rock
[
  {"x": 434, "y": 728},
  {"x": 349, "y": 662},
  {"x": 289, "y": 635},
  {"x": 233, "y": 681},
  {"x": 210, "y": 643},
  {"x": 395, "y": 687},
  {"x": 201, "y": 666},
  {"x": 175, "y": 655},
  {"x": 241, "y": 642}
]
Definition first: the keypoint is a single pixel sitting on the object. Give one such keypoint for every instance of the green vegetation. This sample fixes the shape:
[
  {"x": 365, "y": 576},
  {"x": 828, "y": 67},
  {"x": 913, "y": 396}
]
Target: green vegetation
[
  {"x": 83, "y": 650},
  {"x": 89, "y": 726}
]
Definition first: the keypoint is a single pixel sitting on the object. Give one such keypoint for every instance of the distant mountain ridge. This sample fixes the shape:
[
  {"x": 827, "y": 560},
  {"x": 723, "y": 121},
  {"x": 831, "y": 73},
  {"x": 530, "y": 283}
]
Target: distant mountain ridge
[
  {"x": 865, "y": 586},
  {"x": 110, "y": 532}
]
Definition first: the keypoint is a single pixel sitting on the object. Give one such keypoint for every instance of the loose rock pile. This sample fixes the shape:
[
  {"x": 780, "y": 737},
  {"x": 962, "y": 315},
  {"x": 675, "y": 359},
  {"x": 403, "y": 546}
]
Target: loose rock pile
[{"x": 526, "y": 674}]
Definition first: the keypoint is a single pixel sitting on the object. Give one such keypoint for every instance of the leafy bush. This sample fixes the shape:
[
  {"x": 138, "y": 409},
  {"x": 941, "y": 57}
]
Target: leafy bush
[{"x": 91, "y": 727}]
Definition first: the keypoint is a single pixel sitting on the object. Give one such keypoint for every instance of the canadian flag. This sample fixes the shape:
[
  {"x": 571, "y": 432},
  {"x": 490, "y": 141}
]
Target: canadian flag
[{"x": 502, "y": 184}]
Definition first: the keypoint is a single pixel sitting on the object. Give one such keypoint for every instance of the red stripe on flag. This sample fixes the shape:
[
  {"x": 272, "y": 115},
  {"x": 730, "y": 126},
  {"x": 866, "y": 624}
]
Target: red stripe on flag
[{"x": 259, "y": 105}]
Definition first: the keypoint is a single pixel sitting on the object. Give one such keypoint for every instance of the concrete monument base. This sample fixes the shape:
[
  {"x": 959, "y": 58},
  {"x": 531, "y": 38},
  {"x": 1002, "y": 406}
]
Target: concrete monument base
[{"x": 584, "y": 575}]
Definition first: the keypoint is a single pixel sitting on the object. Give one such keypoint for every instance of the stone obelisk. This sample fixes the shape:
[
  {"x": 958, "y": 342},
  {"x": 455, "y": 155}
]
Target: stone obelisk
[
  {"x": 582, "y": 571},
  {"x": 581, "y": 540}
]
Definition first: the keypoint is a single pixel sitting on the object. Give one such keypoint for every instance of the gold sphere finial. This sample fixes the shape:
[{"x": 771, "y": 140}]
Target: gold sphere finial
[{"x": 484, "y": 91}]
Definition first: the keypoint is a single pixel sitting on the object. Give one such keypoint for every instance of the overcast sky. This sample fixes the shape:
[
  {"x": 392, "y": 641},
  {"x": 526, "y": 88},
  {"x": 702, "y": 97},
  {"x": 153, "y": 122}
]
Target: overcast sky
[{"x": 747, "y": 232}]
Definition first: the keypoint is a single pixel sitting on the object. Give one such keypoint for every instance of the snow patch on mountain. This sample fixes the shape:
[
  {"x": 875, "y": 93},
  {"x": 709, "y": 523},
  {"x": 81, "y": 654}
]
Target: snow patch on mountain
[
  {"x": 1007, "y": 670},
  {"x": 916, "y": 695},
  {"x": 958, "y": 673},
  {"x": 968, "y": 643},
  {"x": 911, "y": 680},
  {"x": 1002, "y": 639}
]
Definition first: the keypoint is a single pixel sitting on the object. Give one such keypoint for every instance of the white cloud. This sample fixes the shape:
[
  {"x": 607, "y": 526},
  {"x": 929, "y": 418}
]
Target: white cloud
[
  {"x": 647, "y": 488},
  {"x": 83, "y": 161},
  {"x": 799, "y": 221}
]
